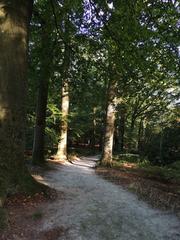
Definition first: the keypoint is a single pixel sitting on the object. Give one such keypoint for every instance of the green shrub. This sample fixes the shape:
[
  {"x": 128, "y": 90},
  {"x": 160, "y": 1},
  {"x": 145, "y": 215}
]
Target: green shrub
[{"x": 128, "y": 157}]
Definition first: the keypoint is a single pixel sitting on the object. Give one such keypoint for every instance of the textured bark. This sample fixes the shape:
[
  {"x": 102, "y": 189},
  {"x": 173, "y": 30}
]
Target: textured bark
[
  {"x": 14, "y": 21},
  {"x": 107, "y": 150},
  {"x": 39, "y": 132},
  {"x": 62, "y": 146}
]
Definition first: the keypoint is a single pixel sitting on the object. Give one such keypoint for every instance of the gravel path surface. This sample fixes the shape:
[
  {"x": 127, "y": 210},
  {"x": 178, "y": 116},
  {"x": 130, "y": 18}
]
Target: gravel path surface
[{"x": 95, "y": 209}]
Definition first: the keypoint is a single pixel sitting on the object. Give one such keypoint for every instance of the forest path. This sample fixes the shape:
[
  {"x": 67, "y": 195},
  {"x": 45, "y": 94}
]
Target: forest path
[{"x": 96, "y": 209}]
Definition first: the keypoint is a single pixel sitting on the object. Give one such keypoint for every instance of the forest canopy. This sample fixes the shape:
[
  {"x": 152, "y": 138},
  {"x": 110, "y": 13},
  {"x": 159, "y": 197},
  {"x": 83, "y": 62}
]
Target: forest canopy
[{"x": 129, "y": 50}]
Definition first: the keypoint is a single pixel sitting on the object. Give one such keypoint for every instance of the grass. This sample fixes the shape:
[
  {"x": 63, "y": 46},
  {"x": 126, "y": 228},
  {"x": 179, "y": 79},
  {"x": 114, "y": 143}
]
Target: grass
[
  {"x": 133, "y": 162},
  {"x": 131, "y": 158}
]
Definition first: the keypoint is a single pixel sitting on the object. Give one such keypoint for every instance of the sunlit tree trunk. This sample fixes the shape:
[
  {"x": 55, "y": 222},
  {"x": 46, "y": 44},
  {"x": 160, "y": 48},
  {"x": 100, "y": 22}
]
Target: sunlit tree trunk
[
  {"x": 39, "y": 132},
  {"x": 62, "y": 146},
  {"x": 107, "y": 150},
  {"x": 14, "y": 21}
]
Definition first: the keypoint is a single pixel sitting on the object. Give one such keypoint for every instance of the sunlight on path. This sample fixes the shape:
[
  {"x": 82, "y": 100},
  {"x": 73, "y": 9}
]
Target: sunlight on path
[{"x": 95, "y": 209}]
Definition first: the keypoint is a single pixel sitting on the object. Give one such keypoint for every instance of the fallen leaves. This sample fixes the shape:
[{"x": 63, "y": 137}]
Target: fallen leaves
[{"x": 159, "y": 194}]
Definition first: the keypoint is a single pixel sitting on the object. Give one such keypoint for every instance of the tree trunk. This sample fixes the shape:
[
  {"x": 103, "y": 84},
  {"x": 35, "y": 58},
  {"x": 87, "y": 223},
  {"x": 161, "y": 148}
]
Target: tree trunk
[
  {"x": 107, "y": 150},
  {"x": 140, "y": 134},
  {"x": 14, "y": 23},
  {"x": 62, "y": 146},
  {"x": 39, "y": 132},
  {"x": 122, "y": 131},
  {"x": 161, "y": 146},
  {"x": 131, "y": 133},
  {"x": 93, "y": 136},
  {"x": 116, "y": 138}
]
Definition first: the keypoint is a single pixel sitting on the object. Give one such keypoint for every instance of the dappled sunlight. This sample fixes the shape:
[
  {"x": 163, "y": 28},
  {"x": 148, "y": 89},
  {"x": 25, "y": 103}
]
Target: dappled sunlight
[
  {"x": 2, "y": 113},
  {"x": 86, "y": 163},
  {"x": 89, "y": 199},
  {"x": 129, "y": 165},
  {"x": 40, "y": 179},
  {"x": 85, "y": 168},
  {"x": 93, "y": 158},
  {"x": 82, "y": 78}
]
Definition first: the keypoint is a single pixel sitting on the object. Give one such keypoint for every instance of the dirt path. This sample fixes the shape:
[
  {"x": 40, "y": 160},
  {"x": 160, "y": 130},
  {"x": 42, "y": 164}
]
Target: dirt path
[{"x": 95, "y": 209}]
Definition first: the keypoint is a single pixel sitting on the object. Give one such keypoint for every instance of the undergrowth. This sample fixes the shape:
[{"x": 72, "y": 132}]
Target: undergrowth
[
  {"x": 169, "y": 172},
  {"x": 83, "y": 151}
]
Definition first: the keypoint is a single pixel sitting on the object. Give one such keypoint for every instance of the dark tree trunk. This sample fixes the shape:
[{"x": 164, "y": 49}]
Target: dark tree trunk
[
  {"x": 39, "y": 132},
  {"x": 93, "y": 136},
  {"x": 131, "y": 133},
  {"x": 122, "y": 131},
  {"x": 14, "y": 22},
  {"x": 116, "y": 138},
  {"x": 161, "y": 146},
  {"x": 140, "y": 134},
  {"x": 132, "y": 124}
]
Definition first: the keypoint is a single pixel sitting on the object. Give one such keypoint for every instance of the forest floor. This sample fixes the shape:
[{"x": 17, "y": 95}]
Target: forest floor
[
  {"x": 147, "y": 184},
  {"x": 88, "y": 206}
]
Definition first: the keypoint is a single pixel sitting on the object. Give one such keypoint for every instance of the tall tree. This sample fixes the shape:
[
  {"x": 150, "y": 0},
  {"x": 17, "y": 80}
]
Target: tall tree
[
  {"x": 66, "y": 26},
  {"x": 106, "y": 157},
  {"x": 62, "y": 145},
  {"x": 14, "y": 24},
  {"x": 45, "y": 74}
]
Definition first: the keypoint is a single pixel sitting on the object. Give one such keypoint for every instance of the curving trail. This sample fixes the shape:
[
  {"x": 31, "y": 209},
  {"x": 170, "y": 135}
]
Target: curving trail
[{"x": 95, "y": 209}]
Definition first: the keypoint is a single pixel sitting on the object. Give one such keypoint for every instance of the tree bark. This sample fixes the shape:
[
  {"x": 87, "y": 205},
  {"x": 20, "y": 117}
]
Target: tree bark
[
  {"x": 106, "y": 158},
  {"x": 39, "y": 132},
  {"x": 140, "y": 134},
  {"x": 122, "y": 131},
  {"x": 131, "y": 133},
  {"x": 62, "y": 146},
  {"x": 161, "y": 146},
  {"x": 14, "y": 22},
  {"x": 93, "y": 135}
]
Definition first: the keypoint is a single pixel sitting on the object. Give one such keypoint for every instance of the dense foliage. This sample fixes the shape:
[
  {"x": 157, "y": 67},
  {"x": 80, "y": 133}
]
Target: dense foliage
[{"x": 141, "y": 40}]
